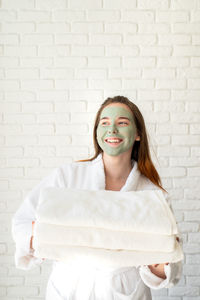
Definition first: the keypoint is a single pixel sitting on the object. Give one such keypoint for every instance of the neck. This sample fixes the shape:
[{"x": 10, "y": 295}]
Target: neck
[{"x": 117, "y": 167}]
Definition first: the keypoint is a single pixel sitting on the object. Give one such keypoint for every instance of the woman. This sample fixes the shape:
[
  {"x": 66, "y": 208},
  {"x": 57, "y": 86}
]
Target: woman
[{"x": 121, "y": 162}]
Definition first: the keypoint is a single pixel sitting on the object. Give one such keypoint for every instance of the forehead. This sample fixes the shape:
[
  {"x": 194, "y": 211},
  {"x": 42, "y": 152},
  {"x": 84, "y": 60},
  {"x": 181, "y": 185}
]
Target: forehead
[{"x": 116, "y": 110}]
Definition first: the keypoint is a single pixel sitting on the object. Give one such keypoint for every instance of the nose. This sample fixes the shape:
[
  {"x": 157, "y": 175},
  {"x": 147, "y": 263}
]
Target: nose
[{"x": 113, "y": 129}]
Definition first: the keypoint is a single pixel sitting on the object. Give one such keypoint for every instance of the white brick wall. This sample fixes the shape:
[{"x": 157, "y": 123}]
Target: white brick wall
[{"x": 60, "y": 60}]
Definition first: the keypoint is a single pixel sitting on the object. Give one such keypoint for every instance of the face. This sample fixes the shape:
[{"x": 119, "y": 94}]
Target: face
[{"x": 116, "y": 131}]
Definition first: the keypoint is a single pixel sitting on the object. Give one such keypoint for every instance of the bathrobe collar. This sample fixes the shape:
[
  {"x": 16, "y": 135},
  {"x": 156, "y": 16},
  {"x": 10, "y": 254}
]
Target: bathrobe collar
[{"x": 99, "y": 175}]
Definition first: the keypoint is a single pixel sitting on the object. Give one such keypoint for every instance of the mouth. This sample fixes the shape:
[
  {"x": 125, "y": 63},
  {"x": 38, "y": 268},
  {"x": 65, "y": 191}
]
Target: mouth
[{"x": 113, "y": 141}]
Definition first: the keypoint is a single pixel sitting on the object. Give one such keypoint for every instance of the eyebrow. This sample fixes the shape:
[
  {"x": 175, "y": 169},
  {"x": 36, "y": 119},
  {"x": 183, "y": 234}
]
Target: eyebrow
[{"x": 106, "y": 118}]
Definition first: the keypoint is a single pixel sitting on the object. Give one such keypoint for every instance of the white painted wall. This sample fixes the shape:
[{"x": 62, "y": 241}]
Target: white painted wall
[{"x": 60, "y": 60}]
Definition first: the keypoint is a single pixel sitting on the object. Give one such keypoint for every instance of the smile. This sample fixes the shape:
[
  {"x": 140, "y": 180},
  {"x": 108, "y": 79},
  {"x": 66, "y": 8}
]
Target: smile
[{"x": 113, "y": 141}]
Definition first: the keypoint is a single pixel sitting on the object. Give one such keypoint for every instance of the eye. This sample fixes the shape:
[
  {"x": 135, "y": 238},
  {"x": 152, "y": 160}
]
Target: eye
[
  {"x": 104, "y": 123},
  {"x": 123, "y": 123}
]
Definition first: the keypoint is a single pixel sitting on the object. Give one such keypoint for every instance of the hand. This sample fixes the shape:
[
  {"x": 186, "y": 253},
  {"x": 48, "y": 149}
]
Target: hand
[
  {"x": 158, "y": 270},
  {"x": 31, "y": 241}
]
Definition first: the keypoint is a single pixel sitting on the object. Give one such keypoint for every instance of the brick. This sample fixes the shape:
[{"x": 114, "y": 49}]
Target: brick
[
  {"x": 184, "y": 291},
  {"x": 155, "y": 51},
  {"x": 173, "y": 172},
  {"x": 194, "y": 171},
  {"x": 38, "y": 129},
  {"x": 82, "y": 140},
  {"x": 194, "y": 237},
  {"x": 194, "y": 84},
  {"x": 186, "y": 182},
  {"x": 70, "y": 107},
  {"x": 185, "y": 140},
  {"x": 103, "y": 62},
  {"x": 22, "y": 291},
  {"x": 103, "y": 15},
  {"x": 11, "y": 281},
  {"x": 192, "y": 194},
  {"x": 52, "y": 28},
  {"x": 18, "y": 4},
  {"x": 10, "y": 129},
  {"x": 173, "y": 62},
  {"x": 62, "y": 139},
  {"x": 195, "y": 16},
  {"x": 173, "y": 151},
  {"x": 53, "y": 4},
  {"x": 53, "y": 118},
  {"x": 185, "y": 205},
  {"x": 83, "y": 27},
  {"x": 82, "y": 117},
  {"x": 71, "y": 84},
  {"x": 187, "y": 161},
  {"x": 23, "y": 162},
  {"x": 120, "y": 27},
  {"x": 72, "y": 151},
  {"x": 194, "y": 129},
  {"x": 105, "y": 39},
  {"x": 193, "y": 259},
  {"x": 185, "y": 95},
  {"x": 37, "y": 39},
  {"x": 188, "y": 73},
  {"x": 191, "y": 249},
  {"x": 86, "y": 4},
  {"x": 153, "y": 95},
  {"x": 138, "y": 84},
  {"x": 9, "y": 84},
  {"x": 68, "y": 15},
  {"x": 11, "y": 151},
  {"x": 185, "y": 117},
  {"x": 9, "y": 62},
  {"x": 70, "y": 62},
  {"x": 91, "y": 73},
  {"x": 186, "y": 28},
  {"x": 39, "y": 151},
  {"x": 7, "y": 108},
  {"x": 186, "y": 51},
  {"x": 196, "y": 40},
  {"x": 36, "y": 62},
  {"x": 140, "y": 39},
  {"x": 195, "y": 61},
  {"x": 188, "y": 227},
  {"x": 72, "y": 129},
  {"x": 27, "y": 51},
  {"x": 105, "y": 84},
  {"x": 9, "y": 39},
  {"x": 169, "y": 106},
  {"x": 19, "y": 96},
  {"x": 55, "y": 162},
  {"x": 118, "y": 4},
  {"x": 8, "y": 15},
  {"x": 153, "y": 4},
  {"x": 87, "y": 51},
  {"x": 171, "y": 84},
  {"x": 57, "y": 73},
  {"x": 137, "y": 15},
  {"x": 37, "y": 107},
  {"x": 139, "y": 62},
  {"x": 174, "y": 39},
  {"x": 122, "y": 51},
  {"x": 184, "y": 4},
  {"x": 172, "y": 16},
  {"x": 11, "y": 172},
  {"x": 34, "y": 15},
  {"x": 22, "y": 73},
  {"x": 19, "y": 118},
  {"x": 159, "y": 73},
  {"x": 153, "y": 28},
  {"x": 124, "y": 73},
  {"x": 21, "y": 140},
  {"x": 37, "y": 84},
  {"x": 18, "y": 27},
  {"x": 195, "y": 151},
  {"x": 52, "y": 95},
  {"x": 190, "y": 270},
  {"x": 87, "y": 95},
  {"x": 172, "y": 129},
  {"x": 47, "y": 51},
  {"x": 71, "y": 39}
]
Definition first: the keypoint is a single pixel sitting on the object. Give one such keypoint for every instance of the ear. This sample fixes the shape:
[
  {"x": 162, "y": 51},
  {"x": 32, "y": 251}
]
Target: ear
[{"x": 137, "y": 138}]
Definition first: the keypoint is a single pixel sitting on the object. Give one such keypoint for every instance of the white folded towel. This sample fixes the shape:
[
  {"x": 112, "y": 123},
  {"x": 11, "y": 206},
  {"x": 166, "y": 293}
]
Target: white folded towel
[{"x": 112, "y": 228}]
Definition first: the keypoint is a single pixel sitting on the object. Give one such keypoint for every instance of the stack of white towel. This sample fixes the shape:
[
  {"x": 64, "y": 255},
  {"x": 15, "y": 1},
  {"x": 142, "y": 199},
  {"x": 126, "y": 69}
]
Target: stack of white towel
[{"x": 111, "y": 228}]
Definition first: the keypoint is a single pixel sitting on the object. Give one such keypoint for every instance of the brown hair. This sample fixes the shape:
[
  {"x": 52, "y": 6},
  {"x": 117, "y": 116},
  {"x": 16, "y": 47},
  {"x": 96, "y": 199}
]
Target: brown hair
[{"x": 140, "y": 151}]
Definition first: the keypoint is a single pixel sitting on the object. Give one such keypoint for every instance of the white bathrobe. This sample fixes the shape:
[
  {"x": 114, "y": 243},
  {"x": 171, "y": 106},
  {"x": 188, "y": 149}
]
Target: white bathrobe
[{"x": 81, "y": 281}]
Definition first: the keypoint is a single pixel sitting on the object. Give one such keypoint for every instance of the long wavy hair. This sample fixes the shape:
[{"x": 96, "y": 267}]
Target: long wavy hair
[{"x": 140, "y": 151}]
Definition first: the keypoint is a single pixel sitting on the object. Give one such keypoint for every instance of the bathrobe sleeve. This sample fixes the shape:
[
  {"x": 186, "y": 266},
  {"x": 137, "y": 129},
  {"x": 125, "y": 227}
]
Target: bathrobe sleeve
[
  {"x": 173, "y": 271},
  {"x": 22, "y": 222}
]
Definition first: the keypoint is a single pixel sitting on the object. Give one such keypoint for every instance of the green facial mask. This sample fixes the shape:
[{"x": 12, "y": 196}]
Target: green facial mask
[{"x": 116, "y": 128}]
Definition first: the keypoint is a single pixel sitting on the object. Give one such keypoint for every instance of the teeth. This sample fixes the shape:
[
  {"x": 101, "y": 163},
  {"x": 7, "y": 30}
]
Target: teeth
[{"x": 113, "y": 141}]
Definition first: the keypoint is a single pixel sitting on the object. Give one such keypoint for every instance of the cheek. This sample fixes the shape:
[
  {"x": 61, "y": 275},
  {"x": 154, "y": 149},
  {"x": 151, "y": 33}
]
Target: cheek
[{"x": 128, "y": 132}]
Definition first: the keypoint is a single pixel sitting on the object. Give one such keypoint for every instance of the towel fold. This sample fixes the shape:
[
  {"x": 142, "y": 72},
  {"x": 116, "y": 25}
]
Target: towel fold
[
  {"x": 106, "y": 257},
  {"x": 102, "y": 238},
  {"x": 109, "y": 228}
]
